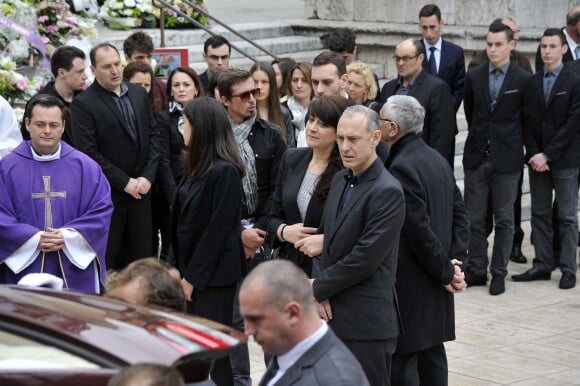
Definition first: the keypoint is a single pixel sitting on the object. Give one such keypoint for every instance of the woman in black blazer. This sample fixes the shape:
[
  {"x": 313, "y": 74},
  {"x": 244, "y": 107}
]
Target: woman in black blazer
[
  {"x": 304, "y": 180},
  {"x": 183, "y": 85},
  {"x": 205, "y": 218}
]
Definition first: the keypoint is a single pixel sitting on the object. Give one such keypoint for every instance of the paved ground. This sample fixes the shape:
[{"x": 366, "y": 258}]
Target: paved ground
[{"x": 528, "y": 336}]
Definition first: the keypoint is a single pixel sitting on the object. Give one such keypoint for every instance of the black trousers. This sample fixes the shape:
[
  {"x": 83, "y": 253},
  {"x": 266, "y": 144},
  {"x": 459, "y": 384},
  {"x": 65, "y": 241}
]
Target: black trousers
[
  {"x": 216, "y": 303},
  {"x": 374, "y": 357},
  {"x": 425, "y": 368},
  {"x": 130, "y": 233}
]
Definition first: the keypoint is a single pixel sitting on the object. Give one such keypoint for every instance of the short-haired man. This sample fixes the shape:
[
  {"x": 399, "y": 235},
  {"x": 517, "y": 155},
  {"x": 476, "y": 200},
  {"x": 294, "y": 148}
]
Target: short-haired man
[
  {"x": 499, "y": 116},
  {"x": 553, "y": 156},
  {"x": 55, "y": 205},
  {"x": 354, "y": 275},
  {"x": 518, "y": 57},
  {"x": 444, "y": 60},
  {"x": 216, "y": 53},
  {"x": 67, "y": 65},
  {"x": 327, "y": 70},
  {"x": 433, "y": 94},
  {"x": 138, "y": 47},
  {"x": 433, "y": 243},
  {"x": 261, "y": 148},
  {"x": 572, "y": 33},
  {"x": 343, "y": 42},
  {"x": 521, "y": 60},
  {"x": 113, "y": 123},
  {"x": 276, "y": 303}
]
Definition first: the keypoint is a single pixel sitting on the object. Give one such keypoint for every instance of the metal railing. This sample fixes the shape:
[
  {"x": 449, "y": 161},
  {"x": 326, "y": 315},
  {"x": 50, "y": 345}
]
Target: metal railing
[{"x": 163, "y": 4}]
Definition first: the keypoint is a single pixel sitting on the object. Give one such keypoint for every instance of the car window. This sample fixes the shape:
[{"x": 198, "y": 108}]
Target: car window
[{"x": 17, "y": 352}]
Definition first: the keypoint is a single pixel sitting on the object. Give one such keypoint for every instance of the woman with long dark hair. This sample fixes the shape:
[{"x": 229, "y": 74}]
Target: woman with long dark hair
[
  {"x": 268, "y": 103},
  {"x": 304, "y": 180},
  {"x": 205, "y": 217},
  {"x": 141, "y": 74},
  {"x": 299, "y": 97},
  {"x": 183, "y": 85}
]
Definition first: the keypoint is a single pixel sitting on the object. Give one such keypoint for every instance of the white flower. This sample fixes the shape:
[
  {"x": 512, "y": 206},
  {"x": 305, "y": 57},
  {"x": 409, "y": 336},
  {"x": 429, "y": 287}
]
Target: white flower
[
  {"x": 127, "y": 12},
  {"x": 130, "y": 3},
  {"x": 116, "y": 5}
]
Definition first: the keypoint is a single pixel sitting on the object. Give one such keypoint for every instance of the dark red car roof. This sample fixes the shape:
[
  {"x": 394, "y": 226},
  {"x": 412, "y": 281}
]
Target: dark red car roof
[{"x": 111, "y": 331}]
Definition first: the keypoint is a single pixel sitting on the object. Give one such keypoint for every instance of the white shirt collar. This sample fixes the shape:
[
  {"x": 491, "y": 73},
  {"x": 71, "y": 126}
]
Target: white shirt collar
[
  {"x": 285, "y": 361},
  {"x": 46, "y": 158},
  {"x": 436, "y": 45},
  {"x": 571, "y": 44}
]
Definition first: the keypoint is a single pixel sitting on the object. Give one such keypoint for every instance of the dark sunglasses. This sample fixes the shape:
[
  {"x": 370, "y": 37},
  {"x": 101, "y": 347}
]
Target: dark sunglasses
[{"x": 245, "y": 96}]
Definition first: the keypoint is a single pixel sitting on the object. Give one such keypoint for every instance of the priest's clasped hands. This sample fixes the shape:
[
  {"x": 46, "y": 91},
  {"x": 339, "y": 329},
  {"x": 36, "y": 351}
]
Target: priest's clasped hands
[
  {"x": 137, "y": 187},
  {"x": 51, "y": 241}
]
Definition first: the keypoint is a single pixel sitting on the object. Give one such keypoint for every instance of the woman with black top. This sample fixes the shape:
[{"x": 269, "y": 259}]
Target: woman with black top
[
  {"x": 304, "y": 180},
  {"x": 205, "y": 218}
]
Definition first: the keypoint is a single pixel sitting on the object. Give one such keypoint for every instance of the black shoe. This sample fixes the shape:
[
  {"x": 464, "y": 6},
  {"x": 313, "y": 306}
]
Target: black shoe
[
  {"x": 532, "y": 274},
  {"x": 517, "y": 256},
  {"x": 567, "y": 281},
  {"x": 497, "y": 285},
  {"x": 473, "y": 280}
]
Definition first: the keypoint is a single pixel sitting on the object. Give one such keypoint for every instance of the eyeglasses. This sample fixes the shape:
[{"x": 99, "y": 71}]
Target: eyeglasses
[
  {"x": 385, "y": 120},
  {"x": 245, "y": 96},
  {"x": 404, "y": 59},
  {"x": 216, "y": 58}
]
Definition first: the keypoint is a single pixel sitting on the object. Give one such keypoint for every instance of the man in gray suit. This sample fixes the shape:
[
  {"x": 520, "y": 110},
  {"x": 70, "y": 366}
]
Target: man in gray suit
[{"x": 276, "y": 302}]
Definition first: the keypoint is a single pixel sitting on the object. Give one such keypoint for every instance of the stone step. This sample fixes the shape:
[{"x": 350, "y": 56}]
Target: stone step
[
  {"x": 280, "y": 46},
  {"x": 245, "y": 63},
  {"x": 192, "y": 36}
]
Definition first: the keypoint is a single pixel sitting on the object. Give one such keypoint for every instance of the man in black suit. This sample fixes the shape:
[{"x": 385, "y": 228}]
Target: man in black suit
[
  {"x": 444, "y": 60},
  {"x": 499, "y": 103},
  {"x": 216, "y": 53},
  {"x": 572, "y": 34},
  {"x": 521, "y": 60},
  {"x": 276, "y": 303},
  {"x": 433, "y": 94},
  {"x": 553, "y": 156},
  {"x": 433, "y": 244},
  {"x": 355, "y": 272},
  {"x": 113, "y": 123}
]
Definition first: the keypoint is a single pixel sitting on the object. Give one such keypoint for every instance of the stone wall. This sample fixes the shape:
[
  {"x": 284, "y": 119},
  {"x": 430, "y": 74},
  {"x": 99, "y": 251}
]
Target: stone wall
[
  {"x": 530, "y": 14},
  {"x": 381, "y": 24}
]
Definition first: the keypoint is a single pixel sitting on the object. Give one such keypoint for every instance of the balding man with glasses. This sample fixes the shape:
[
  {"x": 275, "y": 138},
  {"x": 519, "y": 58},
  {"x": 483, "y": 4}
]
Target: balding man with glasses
[{"x": 433, "y": 94}]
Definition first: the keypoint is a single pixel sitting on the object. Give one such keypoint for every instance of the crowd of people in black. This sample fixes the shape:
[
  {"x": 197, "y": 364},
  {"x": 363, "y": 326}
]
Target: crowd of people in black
[{"x": 311, "y": 163}]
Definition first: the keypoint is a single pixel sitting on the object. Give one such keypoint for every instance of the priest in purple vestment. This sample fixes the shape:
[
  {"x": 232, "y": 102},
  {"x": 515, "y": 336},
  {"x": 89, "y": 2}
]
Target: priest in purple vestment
[{"x": 55, "y": 206}]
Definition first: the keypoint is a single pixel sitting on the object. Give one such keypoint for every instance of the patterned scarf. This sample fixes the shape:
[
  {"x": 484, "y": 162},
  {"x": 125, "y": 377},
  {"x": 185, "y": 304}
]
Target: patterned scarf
[
  {"x": 250, "y": 180},
  {"x": 173, "y": 106}
]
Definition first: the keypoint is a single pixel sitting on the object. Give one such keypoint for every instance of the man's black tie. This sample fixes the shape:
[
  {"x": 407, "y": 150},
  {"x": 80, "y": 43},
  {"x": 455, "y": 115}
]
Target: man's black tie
[
  {"x": 432, "y": 62},
  {"x": 270, "y": 371}
]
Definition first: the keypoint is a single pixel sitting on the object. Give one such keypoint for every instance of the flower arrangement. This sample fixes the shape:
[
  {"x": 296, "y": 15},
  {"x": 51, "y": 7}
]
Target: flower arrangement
[
  {"x": 124, "y": 14},
  {"x": 56, "y": 23},
  {"x": 14, "y": 86}
]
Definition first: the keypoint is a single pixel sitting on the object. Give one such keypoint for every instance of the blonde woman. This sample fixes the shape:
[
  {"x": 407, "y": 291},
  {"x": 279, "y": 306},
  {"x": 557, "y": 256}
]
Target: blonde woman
[{"x": 359, "y": 83}]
